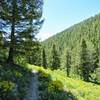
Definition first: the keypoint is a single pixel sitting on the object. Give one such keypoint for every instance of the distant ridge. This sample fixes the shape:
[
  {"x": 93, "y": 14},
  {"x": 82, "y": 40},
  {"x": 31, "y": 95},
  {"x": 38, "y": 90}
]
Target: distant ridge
[
  {"x": 70, "y": 39},
  {"x": 87, "y": 29},
  {"x": 67, "y": 29}
]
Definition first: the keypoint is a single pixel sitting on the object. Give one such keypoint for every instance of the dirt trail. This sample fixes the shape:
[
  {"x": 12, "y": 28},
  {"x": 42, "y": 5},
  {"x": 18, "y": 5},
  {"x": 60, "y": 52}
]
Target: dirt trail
[{"x": 32, "y": 93}]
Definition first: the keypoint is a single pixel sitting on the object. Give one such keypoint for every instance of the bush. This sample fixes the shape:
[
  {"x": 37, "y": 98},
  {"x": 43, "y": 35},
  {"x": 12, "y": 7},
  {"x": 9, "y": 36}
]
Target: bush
[
  {"x": 52, "y": 89},
  {"x": 44, "y": 79},
  {"x": 13, "y": 81},
  {"x": 7, "y": 90}
]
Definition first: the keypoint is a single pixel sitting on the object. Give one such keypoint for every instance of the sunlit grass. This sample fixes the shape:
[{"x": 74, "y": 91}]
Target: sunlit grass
[{"x": 82, "y": 90}]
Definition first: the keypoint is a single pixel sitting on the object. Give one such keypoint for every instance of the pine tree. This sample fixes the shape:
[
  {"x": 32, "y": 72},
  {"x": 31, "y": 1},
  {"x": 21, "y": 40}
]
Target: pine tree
[
  {"x": 68, "y": 63},
  {"x": 95, "y": 60},
  {"x": 35, "y": 55},
  {"x": 44, "y": 60},
  {"x": 19, "y": 21},
  {"x": 55, "y": 63},
  {"x": 96, "y": 68},
  {"x": 84, "y": 62}
]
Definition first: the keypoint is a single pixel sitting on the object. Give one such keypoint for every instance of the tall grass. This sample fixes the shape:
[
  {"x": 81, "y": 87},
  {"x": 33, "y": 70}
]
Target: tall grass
[{"x": 80, "y": 89}]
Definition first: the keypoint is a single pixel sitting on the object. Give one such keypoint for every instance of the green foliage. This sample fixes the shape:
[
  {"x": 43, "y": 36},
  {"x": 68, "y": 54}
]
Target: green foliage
[
  {"x": 52, "y": 90},
  {"x": 20, "y": 59},
  {"x": 56, "y": 92},
  {"x": 97, "y": 79},
  {"x": 44, "y": 60},
  {"x": 14, "y": 80},
  {"x": 55, "y": 59},
  {"x": 7, "y": 90},
  {"x": 35, "y": 56},
  {"x": 55, "y": 85},
  {"x": 96, "y": 76},
  {"x": 20, "y": 21},
  {"x": 68, "y": 63},
  {"x": 85, "y": 66},
  {"x": 71, "y": 38}
]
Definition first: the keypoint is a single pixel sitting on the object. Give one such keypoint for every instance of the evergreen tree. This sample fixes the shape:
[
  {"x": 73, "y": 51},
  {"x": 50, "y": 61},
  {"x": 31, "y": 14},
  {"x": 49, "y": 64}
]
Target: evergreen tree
[
  {"x": 44, "y": 61},
  {"x": 55, "y": 63},
  {"x": 35, "y": 55},
  {"x": 84, "y": 62},
  {"x": 71, "y": 38},
  {"x": 19, "y": 21},
  {"x": 68, "y": 63},
  {"x": 95, "y": 60},
  {"x": 96, "y": 68}
]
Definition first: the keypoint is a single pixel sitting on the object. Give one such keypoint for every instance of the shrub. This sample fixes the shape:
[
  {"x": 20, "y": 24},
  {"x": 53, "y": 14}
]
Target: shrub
[
  {"x": 13, "y": 81},
  {"x": 52, "y": 89}
]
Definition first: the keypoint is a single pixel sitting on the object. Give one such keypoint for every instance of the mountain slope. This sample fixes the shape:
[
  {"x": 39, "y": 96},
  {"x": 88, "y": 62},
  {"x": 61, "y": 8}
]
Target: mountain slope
[
  {"x": 54, "y": 85},
  {"x": 71, "y": 38},
  {"x": 89, "y": 29}
]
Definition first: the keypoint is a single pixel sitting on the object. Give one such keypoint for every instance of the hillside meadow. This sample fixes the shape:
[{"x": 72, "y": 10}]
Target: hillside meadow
[{"x": 79, "y": 89}]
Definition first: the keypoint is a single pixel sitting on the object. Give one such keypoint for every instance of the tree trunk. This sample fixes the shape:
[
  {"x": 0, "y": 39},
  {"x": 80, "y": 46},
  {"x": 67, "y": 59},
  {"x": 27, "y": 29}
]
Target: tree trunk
[
  {"x": 12, "y": 42},
  {"x": 10, "y": 56}
]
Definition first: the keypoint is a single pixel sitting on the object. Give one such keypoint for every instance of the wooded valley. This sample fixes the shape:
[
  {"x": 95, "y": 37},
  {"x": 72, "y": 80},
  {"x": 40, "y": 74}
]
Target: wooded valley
[{"x": 67, "y": 64}]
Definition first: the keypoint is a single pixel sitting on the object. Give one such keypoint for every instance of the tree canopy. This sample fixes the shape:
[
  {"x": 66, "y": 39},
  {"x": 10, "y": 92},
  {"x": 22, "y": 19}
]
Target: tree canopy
[{"x": 20, "y": 20}]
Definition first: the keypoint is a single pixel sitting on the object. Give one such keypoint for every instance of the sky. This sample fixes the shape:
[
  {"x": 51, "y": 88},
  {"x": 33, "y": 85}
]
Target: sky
[{"x": 61, "y": 14}]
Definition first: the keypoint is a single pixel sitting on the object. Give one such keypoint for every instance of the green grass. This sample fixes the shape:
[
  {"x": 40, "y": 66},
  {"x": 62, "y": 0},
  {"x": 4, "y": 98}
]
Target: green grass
[{"x": 80, "y": 89}]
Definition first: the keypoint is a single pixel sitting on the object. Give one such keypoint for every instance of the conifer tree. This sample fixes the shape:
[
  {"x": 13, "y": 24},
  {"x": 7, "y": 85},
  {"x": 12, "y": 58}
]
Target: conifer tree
[
  {"x": 19, "y": 21},
  {"x": 35, "y": 56},
  {"x": 96, "y": 59},
  {"x": 68, "y": 63},
  {"x": 95, "y": 67},
  {"x": 84, "y": 62},
  {"x": 44, "y": 60},
  {"x": 55, "y": 63}
]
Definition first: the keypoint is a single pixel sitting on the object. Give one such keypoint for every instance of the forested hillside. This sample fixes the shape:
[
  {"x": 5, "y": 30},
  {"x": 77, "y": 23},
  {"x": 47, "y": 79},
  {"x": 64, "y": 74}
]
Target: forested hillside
[
  {"x": 63, "y": 67},
  {"x": 78, "y": 46}
]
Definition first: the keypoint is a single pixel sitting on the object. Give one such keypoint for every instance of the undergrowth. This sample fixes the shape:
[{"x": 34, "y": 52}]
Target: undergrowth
[
  {"x": 14, "y": 80},
  {"x": 55, "y": 85}
]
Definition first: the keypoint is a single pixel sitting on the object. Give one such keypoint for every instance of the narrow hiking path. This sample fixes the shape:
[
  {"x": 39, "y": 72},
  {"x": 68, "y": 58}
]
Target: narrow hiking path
[{"x": 32, "y": 93}]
